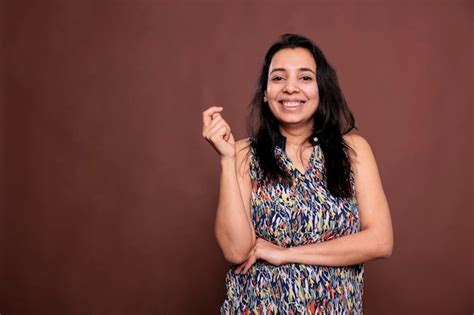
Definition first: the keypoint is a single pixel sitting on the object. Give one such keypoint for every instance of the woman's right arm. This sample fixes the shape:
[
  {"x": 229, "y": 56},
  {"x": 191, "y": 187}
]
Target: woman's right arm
[{"x": 233, "y": 228}]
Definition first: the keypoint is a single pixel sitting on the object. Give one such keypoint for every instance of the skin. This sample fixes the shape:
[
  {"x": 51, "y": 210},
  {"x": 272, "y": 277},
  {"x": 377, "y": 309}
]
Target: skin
[{"x": 288, "y": 79}]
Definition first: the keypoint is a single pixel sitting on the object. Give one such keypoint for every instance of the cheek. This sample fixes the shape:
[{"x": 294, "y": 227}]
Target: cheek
[
  {"x": 272, "y": 91},
  {"x": 312, "y": 92}
]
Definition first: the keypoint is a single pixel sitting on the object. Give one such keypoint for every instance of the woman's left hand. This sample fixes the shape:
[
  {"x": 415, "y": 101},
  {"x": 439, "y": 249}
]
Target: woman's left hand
[{"x": 265, "y": 250}]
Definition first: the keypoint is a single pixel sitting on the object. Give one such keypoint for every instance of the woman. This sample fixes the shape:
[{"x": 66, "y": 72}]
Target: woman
[{"x": 301, "y": 205}]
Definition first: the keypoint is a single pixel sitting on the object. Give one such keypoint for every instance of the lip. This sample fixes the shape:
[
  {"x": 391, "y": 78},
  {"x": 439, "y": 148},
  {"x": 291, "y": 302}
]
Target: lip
[
  {"x": 292, "y": 109},
  {"x": 288, "y": 100},
  {"x": 299, "y": 101}
]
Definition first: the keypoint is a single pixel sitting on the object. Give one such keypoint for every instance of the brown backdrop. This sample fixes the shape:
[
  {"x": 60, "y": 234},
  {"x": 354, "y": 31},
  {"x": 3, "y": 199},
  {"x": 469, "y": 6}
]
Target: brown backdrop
[{"x": 108, "y": 190}]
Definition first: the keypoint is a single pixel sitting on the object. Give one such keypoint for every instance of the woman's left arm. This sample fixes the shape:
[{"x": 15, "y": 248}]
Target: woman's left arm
[{"x": 375, "y": 239}]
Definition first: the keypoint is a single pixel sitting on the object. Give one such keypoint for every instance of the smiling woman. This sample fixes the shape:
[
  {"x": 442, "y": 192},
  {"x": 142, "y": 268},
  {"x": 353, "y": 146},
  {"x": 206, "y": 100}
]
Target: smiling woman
[{"x": 301, "y": 205}]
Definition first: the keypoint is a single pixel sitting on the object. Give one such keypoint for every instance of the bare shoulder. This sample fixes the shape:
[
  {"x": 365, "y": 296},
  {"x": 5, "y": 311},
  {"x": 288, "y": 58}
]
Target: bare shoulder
[
  {"x": 360, "y": 150},
  {"x": 242, "y": 149},
  {"x": 356, "y": 142}
]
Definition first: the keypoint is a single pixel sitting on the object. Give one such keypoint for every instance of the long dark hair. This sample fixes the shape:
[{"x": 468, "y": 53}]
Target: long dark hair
[{"x": 332, "y": 120}]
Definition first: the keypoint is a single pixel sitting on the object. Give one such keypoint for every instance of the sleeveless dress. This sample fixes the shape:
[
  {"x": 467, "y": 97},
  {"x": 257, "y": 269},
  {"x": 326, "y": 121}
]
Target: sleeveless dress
[{"x": 290, "y": 216}]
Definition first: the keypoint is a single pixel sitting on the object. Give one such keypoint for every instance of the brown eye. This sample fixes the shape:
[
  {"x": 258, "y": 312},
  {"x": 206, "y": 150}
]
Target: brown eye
[
  {"x": 277, "y": 78},
  {"x": 307, "y": 78}
]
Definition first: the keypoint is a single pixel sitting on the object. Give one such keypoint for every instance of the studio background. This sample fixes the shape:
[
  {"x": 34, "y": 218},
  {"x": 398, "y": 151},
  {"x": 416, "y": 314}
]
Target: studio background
[{"x": 108, "y": 191}]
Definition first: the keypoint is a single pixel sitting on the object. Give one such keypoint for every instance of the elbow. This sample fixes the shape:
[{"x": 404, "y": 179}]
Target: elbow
[
  {"x": 236, "y": 255},
  {"x": 235, "y": 258},
  {"x": 382, "y": 244},
  {"x": 387, "y": 252},
  {"x": 235, "y": 251},
  {"x": 385, "y": 249}
]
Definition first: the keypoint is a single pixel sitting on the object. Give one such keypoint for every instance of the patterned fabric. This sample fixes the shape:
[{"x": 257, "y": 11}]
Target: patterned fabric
[{"x": 302, "y": 214}]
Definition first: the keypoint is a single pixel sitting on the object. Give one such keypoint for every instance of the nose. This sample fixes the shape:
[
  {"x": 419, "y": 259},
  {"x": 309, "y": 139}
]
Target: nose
[{"x": 290, "y": 86}]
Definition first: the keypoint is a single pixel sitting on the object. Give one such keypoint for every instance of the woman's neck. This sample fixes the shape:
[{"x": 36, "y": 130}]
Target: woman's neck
[{"x": 295, "y": 137}]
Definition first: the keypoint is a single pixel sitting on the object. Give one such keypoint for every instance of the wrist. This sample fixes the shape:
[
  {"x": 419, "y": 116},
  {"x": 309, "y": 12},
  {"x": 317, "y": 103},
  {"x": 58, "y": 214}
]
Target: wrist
[
  {"x": 227, "y": 160},
  {"x": 286, "y": 255}
]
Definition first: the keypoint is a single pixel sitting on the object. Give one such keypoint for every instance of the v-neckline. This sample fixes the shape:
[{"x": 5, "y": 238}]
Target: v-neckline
[
  {"x": 310, "y": 162},
  {"x": 281, "y": 145}
]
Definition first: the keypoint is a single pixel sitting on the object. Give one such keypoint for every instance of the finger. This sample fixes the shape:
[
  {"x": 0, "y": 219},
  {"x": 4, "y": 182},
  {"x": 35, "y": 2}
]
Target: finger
[
  {"x": 220, "y": 134},
  {"x": 239, "y": 269},
  {"x": 219, "y": 131},
  {"x": 211, "y": 110},
  {"x": 250, "y": 256},
  {"x": 227, "y": 134},
  {"x": 207, "y": 114},
  {"x": 249, "y": 264},
  {"x": 208, "y": 129},
  {"x": 215, "y": 125},
  {"x": 244, "y": 266}
]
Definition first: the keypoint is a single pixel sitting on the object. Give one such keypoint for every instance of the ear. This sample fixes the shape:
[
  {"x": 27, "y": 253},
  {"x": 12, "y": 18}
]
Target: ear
[{"x": 265, "y": 96}]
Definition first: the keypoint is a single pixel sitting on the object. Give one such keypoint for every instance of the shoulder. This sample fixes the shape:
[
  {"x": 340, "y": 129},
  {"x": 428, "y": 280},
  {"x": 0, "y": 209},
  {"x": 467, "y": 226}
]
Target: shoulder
[
  {"x": 242, "y": 144},
  {"x": 242, "y": 148},
  {"x": 360, "y": 149},
  {"x": 355, "y": 141}
]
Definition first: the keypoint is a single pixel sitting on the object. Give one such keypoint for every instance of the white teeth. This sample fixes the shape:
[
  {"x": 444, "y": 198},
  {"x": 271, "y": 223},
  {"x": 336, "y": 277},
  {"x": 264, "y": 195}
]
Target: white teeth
[{"x": 292, "y": 104}]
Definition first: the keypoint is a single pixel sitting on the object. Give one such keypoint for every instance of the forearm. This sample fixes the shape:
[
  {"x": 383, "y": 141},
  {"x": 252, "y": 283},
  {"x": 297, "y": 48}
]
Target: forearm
[
  {"x": 346, "y": 250},
  {"x": 233, "y": 227}
]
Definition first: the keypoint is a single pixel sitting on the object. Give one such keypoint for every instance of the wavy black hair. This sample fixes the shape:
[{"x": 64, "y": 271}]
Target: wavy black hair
[{"x": 332, "y": 120}]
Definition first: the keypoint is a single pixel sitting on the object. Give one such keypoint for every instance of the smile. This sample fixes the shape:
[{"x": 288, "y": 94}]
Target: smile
[{"x": 292, "y": 104}]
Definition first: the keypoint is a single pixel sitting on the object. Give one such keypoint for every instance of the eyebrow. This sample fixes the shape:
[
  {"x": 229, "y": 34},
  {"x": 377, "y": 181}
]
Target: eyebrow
[{"x": 283, "y": 69}]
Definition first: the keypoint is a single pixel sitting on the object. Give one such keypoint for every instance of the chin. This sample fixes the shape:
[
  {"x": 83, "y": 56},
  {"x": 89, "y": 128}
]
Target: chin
[{"x": 292, "y": 121}]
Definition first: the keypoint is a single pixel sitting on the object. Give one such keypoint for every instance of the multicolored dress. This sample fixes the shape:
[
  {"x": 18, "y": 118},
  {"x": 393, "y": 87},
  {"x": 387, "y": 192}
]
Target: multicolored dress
[{"x": 290, "y": 216}]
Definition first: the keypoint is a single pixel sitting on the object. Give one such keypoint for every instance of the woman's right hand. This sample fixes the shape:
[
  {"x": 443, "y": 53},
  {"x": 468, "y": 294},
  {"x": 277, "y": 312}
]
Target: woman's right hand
[{"x": 217, "y": 132}]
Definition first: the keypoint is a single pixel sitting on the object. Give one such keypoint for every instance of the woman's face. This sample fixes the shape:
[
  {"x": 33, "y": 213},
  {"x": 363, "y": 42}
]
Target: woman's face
[{"x": 292, "y": 91}]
